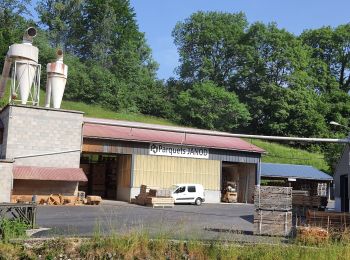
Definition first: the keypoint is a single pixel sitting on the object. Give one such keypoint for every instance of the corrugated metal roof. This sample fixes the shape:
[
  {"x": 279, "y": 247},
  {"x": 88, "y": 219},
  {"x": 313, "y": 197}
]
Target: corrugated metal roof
[
  {"x": 48, "y": 173},
  {"x": 293, "y": 171},
  {"x": 138, "y": 132}
]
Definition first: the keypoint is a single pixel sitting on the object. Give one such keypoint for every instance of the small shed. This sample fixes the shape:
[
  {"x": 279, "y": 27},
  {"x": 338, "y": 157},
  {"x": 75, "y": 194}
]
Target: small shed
[{"x": 300, "y": 177}]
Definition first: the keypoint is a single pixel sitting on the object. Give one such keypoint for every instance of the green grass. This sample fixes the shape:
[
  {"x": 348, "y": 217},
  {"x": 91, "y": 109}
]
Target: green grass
[
  {"x": 277, "y": 153},
  {"x": 100, "y": 112}
]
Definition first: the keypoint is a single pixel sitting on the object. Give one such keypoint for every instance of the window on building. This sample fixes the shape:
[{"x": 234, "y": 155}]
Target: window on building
[{"x": 191, "y": 188}]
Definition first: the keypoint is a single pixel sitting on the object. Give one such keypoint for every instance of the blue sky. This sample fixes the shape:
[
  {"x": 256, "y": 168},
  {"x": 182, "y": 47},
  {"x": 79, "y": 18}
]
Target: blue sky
[{"x": 157, "y": 18}]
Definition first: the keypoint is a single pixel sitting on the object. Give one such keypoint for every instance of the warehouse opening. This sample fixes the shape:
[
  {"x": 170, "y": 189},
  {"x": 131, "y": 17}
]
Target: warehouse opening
[
  {"x": 108, "y": 175},
  {"x": 237, "y": 182}
]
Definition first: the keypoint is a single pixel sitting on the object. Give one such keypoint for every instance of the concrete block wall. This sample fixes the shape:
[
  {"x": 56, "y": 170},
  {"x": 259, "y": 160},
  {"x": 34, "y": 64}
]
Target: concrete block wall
[
  {"x": 37, "y": 130},
  {"x": 5, "y": 180}
]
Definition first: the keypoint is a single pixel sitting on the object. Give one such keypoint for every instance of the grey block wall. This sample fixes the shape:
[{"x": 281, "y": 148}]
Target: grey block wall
[
  {"x": 5, "y": 181},
  {"x": 32, "y": 131}
]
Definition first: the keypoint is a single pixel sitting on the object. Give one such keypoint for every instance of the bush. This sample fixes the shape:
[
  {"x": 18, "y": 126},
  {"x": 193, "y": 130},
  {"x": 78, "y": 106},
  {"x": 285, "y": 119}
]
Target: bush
[{"x": 12, "y": 228}]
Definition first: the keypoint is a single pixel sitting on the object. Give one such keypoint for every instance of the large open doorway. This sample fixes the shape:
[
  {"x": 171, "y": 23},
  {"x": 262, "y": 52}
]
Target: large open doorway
[
  {"x": 344, "y": 193},
  {"x": 108, "y": 175},
  {"x": 237, "y": 182}
]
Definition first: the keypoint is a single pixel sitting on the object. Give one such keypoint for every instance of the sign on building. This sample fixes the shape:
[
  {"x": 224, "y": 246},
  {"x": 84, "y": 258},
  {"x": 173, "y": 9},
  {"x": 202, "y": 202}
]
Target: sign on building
[{"x": 179, "y": 151}]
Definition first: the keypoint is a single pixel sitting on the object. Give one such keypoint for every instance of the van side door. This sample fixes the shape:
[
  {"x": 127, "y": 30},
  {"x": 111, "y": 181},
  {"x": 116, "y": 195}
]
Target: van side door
[{"x": 180, "y": 194}]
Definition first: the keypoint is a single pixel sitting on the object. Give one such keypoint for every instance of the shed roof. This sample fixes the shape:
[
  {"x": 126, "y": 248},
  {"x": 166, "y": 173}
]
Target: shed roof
[
  {"x": 296, "y": 171},
  {"x": 140, "y": 132},
  {"x": 48, "y": 173}
]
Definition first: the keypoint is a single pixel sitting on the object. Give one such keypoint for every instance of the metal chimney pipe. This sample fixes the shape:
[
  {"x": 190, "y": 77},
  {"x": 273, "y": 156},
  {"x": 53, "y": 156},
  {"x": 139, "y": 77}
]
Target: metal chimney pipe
[{"x": 28, "y": 36}]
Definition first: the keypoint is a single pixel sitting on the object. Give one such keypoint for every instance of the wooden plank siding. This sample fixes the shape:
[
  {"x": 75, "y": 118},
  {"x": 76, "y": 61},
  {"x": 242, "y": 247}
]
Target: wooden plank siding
[
  {"x": 124, "y": 171},
  {"x": 162, "y": 171},
  {"x": 123, "y": 147}
]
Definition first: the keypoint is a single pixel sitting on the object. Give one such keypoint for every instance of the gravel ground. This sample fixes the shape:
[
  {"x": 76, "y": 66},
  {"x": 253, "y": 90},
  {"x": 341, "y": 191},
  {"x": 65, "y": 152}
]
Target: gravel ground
[{"x": 229, "y": 222}]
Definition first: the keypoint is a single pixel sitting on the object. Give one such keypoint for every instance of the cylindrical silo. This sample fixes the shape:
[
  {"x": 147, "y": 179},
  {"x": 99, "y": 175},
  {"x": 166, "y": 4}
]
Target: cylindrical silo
[
  {"x": 56, "y": 81},
  {"x": 25, "y": 58}
]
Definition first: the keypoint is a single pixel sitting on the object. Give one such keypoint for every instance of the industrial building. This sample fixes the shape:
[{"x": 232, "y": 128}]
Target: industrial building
[
  {"x": 118, "y": 157},
  {"x": 46, "y": 150}
]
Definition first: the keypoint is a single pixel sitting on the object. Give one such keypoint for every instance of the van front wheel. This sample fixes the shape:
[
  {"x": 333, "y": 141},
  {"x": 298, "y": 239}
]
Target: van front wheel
[{"x": 198, "y": 201}]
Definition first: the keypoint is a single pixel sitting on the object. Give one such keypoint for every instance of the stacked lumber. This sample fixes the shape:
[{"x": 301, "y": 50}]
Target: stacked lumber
[
  {"x": 273, "y": 215},
  {"x": 154, "y": 198},
  {"x": 300, "y": 197},
  {"x": 159, "y": 193},
  {"x": 273, "y": 198},
  {"x": 302, "y": 202},
  {"x": 338, "y": 221},
  {"x": 273, "y": 223},
  {"x": 93, "y": 200},
  {"x": 159, "y": 201}
]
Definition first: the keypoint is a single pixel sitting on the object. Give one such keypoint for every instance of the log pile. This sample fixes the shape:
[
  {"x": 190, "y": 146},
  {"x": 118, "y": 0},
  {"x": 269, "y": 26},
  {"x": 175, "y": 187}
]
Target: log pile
[
  {"x": 335, "y": 221},
  {"x": 58, "y": 199},
  {"x": 154, "y": 197},
  {"x": 273, "y": 215}
]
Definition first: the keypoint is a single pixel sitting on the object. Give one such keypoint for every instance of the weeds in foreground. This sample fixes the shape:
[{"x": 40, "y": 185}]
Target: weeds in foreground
[
  {"x": 139, "y": 246},
  {"x": 12, "y": 228}
]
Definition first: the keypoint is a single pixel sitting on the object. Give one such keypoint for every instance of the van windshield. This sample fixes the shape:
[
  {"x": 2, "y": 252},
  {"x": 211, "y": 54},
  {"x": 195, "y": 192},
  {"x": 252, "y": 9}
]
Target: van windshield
[{"x": 174, "y": 188}]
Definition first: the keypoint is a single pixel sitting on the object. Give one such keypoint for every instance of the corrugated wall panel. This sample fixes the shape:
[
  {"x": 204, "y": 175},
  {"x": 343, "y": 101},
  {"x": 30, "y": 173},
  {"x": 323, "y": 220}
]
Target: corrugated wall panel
[
  {"x": 123, "y": 147},
  {"x": 162, "y": 172}
]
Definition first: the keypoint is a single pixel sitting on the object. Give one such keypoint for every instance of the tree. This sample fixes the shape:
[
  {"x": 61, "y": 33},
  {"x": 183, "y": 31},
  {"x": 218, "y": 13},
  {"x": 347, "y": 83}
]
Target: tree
[
  {"x": 332, "y": 46},
  {"x": 112, "y": 52},
  {"x": 209, "y": 106},
  {"x": 209, "y": 46},
  {"x": 12, "y": 24}
]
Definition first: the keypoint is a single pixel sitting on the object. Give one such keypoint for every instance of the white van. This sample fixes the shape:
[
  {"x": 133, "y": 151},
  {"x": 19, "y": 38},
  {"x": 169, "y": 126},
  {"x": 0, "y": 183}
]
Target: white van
[{"x": 188, "y": 193}]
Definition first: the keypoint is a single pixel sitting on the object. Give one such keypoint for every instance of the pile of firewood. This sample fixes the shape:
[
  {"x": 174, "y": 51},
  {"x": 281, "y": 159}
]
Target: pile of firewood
[
  {"x": 154, "y": 197},
  {"x": 58, "y": 199}
]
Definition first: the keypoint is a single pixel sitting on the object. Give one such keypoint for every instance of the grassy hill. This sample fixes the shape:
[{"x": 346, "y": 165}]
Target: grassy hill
[{"x": 276, "y": 153}]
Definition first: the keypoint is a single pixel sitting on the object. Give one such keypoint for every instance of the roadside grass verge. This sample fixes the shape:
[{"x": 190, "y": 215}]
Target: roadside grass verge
[{"x": 140, "y": 246}]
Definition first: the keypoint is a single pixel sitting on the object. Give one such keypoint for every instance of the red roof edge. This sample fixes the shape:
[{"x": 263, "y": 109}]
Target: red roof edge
[{"x": 48, "y": 173}]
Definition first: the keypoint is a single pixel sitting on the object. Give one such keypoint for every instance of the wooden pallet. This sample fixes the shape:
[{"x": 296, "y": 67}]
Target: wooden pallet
[
  {"x": 160, "y": 205},
  {"x": 272, "y": 223}
]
